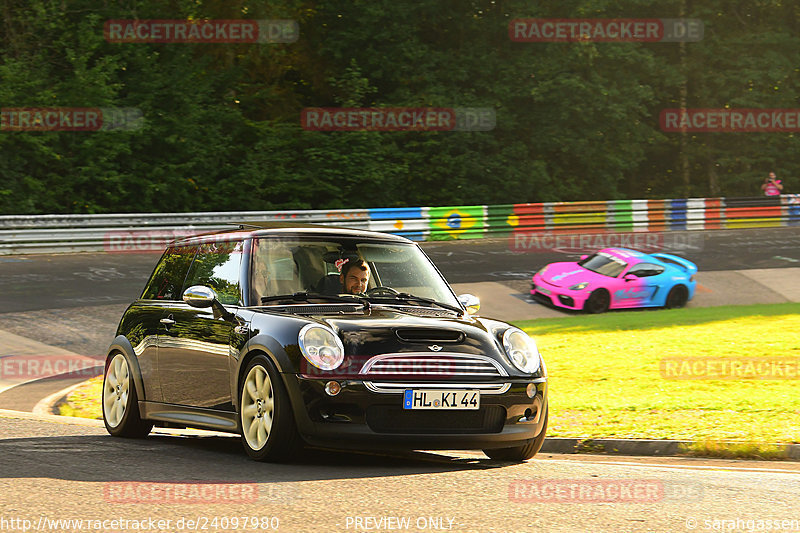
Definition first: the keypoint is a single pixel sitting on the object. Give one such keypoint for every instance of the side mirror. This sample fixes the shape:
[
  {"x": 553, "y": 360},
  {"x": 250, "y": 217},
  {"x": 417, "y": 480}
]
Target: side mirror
[
  {"x": 470, "y": 302},
  {"x": 199, "y": 296},
  {"x": 583, "y": 257},
  {"x": 629, "y": 277}
]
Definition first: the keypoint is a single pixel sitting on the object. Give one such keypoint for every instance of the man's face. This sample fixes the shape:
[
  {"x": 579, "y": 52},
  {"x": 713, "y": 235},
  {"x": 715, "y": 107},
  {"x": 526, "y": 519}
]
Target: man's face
[
  {"x": 356, "y": 281},
  {"x": 772, "y": 175}
]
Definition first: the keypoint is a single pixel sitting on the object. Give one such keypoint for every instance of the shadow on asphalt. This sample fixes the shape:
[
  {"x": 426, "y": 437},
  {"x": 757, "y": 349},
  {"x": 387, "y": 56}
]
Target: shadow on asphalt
[{"x": 168, "y": 458}]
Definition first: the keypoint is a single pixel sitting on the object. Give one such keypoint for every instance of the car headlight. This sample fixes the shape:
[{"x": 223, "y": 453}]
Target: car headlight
[
  {"x": 579, "y": 286},
  {"x": 321, "y": 347},
  {"x": 521, "y": 350}
]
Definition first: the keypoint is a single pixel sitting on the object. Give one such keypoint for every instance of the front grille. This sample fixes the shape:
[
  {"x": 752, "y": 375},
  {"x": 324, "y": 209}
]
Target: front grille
[
  {"x": 431, "y": 335},
  {"x": 392, "y": 419},
  {"x": 441, "y": 365},
  {"x": 539, "y": 297},
  {"x": 566, "y": 300}
]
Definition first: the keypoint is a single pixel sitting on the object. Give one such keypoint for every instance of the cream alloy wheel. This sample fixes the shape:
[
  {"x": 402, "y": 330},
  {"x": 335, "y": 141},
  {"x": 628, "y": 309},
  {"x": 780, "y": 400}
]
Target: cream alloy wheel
[
  {"x": 257, "y": 407},
  {"x": 120, "y": 401},
  {"x": 269, "y": 432},
  {"x": 115, "y": 391}
]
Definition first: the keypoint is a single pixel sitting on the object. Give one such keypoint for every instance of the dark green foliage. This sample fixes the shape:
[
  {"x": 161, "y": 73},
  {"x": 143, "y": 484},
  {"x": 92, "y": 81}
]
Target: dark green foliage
[{"x": 575, "y": 121}]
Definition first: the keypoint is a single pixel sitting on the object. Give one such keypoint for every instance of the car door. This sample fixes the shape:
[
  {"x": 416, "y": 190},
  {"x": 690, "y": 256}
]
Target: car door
[
  {"x": 194, "y": 347},
  {"x": 141, "y": 323},
  {"x": 641, "y": 285}
]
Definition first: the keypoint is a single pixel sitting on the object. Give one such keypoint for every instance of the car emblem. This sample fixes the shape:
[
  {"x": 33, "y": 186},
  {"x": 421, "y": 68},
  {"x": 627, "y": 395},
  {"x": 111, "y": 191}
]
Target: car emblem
[{"x": 434, "y": 347}]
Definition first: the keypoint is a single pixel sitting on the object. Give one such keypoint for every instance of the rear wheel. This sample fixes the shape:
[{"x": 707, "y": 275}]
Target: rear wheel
[
  {"x": 677, "y": 297},
  {"x": 265, "y": 413},
  {"x": 523, "y": 452},
  {"x": 120, "y": 402},
  {"x": 597, "y": 302}
]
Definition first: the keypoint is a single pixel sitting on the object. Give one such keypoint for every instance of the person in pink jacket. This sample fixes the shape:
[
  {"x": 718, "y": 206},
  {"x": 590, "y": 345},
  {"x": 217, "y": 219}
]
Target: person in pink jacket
[{"x": 772, "y": 186}]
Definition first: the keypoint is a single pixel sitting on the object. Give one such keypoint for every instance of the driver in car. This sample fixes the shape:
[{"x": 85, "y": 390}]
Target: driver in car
[{"x": 354, "y": 276}]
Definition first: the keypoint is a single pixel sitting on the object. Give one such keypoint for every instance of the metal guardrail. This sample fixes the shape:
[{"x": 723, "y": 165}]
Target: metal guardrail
[
  {"x": 25, "y": 234},
  {"x": 21, "y": 234}
]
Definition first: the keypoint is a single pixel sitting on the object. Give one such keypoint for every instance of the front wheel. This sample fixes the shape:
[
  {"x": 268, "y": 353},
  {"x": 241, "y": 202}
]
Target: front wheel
[
  {"x": 597, "y": 302},
  {"x": 523, "y": 452},
  {"x": 120, "y": 402},
  {"x": 265, "y": 413}
]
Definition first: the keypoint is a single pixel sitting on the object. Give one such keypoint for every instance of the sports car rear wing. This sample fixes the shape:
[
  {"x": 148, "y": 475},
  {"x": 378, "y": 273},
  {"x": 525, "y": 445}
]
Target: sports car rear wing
[{"x": 688, "y": 266}]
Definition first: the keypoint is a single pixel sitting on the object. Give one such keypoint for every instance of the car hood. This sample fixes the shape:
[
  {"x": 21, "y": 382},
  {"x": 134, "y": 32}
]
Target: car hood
[
  {"x": 570, "y": 273},
  {"x": 383, "y": 329},
  {"x": 436, "y": 340}
]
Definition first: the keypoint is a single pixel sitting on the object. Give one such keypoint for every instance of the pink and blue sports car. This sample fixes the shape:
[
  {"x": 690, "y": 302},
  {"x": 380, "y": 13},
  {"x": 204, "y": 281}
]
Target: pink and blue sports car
[{"x": 616, "y": 278}]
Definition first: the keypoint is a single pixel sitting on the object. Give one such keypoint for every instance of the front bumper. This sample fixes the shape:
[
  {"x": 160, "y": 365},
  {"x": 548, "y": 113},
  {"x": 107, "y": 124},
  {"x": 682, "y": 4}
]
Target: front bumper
[
  {"x": 558, "y": 296},
  {"x": 361, "y": 418}
]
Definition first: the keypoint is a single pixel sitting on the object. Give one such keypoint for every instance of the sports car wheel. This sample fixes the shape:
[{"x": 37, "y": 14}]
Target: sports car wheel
[
  {"x": 120, "y": 402},
  {"x": 520, "y": 453},
  {"x": 677, "y": 297},
  {"x": 597, "y": 302},
  {"x": 265, "y": 413}
]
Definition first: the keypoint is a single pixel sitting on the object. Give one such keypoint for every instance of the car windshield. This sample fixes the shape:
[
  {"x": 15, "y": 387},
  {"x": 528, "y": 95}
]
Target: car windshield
[
  {"x": 605, "y": 264},
  {"x": 291, "y": 265}
]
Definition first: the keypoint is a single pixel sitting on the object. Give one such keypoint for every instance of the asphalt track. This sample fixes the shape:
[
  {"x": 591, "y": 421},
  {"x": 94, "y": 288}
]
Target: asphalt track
[
  {"x": 60, "y": 281},
  {"x": 72, "y": 470}
]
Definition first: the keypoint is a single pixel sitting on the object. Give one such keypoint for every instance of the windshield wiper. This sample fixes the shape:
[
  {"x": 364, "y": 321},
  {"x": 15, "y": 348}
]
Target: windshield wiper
[
  {"x": 308, "y": 296},
  {"x": 405, "y": 297}
]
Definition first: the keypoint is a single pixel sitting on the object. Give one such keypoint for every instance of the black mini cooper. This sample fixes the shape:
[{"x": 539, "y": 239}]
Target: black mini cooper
[{"x": 254, "y": 332}]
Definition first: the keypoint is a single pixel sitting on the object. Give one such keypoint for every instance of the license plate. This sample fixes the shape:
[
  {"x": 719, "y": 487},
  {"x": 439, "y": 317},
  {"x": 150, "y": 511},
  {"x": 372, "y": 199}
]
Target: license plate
[
  {"x": 442, "y": 399},
  {"x": 543, "y": 291}
]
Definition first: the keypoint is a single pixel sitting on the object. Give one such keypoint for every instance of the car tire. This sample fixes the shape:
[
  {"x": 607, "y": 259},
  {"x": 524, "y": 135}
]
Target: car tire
[
  {"x": 268, "y": 428},
  {"x": 120, "y": 403},
  {"x": 597, "y": 302},
  {"x": 677, "y": 297},
  {"x": 523, "y": 452}
]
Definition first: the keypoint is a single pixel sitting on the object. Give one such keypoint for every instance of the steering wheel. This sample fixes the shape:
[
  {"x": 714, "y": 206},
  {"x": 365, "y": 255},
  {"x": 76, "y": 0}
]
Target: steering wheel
[{"x": 381, "y": 291}]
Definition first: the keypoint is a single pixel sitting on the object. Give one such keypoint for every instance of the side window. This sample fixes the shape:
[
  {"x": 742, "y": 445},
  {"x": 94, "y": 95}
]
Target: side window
[
  {"x": 644, "y": 270},
  {"x": 167, "y": 278},
  {"x": 216, "y": 265},
  {"x": 274, "y": 269}
]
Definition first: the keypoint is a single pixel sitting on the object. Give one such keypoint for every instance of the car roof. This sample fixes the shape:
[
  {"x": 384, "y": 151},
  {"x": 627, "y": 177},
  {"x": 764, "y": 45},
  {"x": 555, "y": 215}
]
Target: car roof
[
  {"x": 269, "y": 229},
  {"x": 629, "y": 256}
]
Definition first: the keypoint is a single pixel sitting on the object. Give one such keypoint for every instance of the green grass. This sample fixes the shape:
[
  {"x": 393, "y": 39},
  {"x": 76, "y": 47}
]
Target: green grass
[
  {"x": 84, "y": 402},
  {"x": 604, "y": 378}
]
